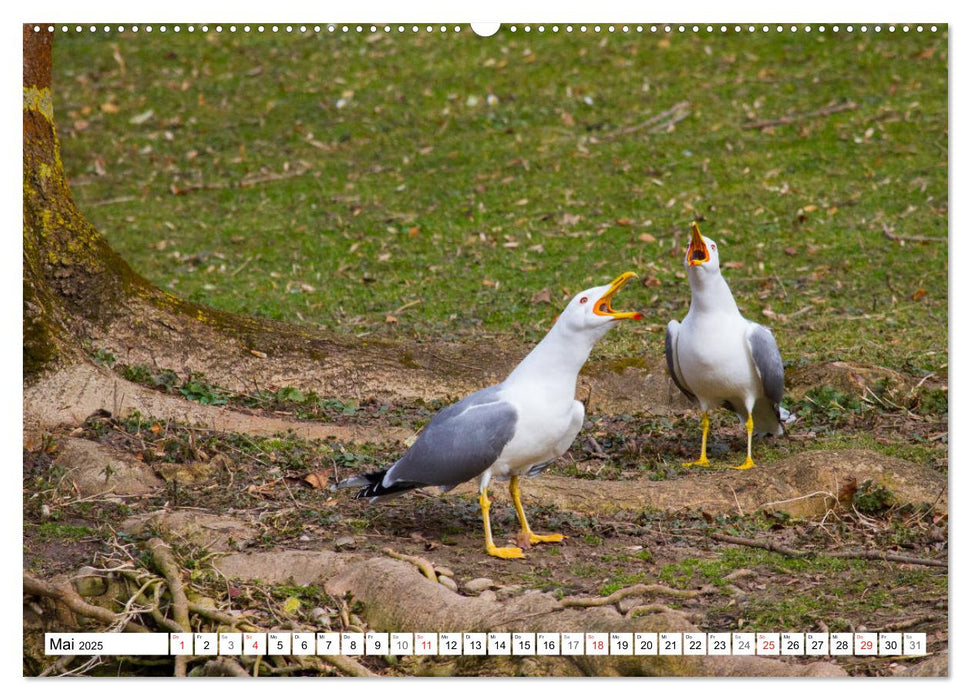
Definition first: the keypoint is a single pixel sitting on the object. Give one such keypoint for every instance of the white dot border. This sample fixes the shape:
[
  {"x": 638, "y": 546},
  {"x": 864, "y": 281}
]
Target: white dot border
[{"x": 446, "y": 29}]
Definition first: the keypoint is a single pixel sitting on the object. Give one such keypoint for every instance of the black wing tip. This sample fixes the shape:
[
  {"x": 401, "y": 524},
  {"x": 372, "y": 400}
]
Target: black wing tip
[{"x": 371, "y": 486}]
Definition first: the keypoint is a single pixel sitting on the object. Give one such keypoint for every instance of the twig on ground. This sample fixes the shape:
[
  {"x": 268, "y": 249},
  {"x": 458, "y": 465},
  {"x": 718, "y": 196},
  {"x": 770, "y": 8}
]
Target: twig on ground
[
  {"x": 909, "y": 622},
  {"x": 865, "y": 554},
  {"x": 888, "y": 232},
  {"x": 673, "y": 115},
  {"x": 641, "y": 589},
  {"x": 821, "y": 112}
]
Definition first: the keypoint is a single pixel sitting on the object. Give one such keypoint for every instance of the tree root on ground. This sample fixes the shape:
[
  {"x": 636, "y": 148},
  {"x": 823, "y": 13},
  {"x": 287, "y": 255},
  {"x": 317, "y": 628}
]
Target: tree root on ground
[
  {"x": 159, "y": 600},
  {"x": 870, "y": 554},
  {"x": 394, "y": 595},
  {"x": 69, "y": 396},
  {"x": 641, "y": 589}
]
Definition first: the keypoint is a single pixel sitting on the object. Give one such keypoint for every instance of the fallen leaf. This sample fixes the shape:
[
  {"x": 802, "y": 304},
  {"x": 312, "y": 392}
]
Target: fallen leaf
[
  {"x": 541, "y": 297},
  {"x": 567, "y": 119},
  {"x": 733, "y": 264},
  {"x": 317, "y": 480},
  {"x": 623, "y": 222},
  {"x": 919, "y": 294},
  {"x": 647, "y": 238},
  {"x": 258, "y": 353},
  {"x": 109, "y": 108},
  {"x": 390, "y": 319}
]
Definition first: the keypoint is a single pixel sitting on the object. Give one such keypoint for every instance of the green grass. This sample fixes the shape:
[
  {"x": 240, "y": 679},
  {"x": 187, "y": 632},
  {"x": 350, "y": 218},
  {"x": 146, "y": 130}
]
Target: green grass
[
  {"x": 423, "y": 208},
  {"x": 62, "y": 531}
]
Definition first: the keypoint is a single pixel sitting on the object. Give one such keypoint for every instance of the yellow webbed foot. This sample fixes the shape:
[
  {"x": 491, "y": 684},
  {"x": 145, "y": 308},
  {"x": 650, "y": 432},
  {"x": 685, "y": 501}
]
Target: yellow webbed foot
[
  {"x": 700, "y": 462},
  {"x": 747, "y": 464},
  {"x": 555, "y": 537},
  {"x": 505, "y": 552}
]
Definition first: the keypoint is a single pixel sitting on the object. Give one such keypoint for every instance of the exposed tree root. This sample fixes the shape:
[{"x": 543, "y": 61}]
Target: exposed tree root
[
  {"x": 641, "y": 589},
  {"x": 69, "y": 396},
  {"x": 164, "y": 606},
  {"x": 396, "y": 597},
  {"x": 224, "y": 666},
  {"x": 424, "y": 566},
  {"x": 165, "y": 563},
  {"x": 347, "y": 665},
  {"x": 65, "y": 594},
  {"x": 874, "y": 555}
]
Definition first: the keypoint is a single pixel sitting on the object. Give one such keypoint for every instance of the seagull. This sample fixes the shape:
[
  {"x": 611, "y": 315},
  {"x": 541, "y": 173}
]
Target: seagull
[
  {"x": 512, "y": 429},
  {"x": 717, "y": 357}
]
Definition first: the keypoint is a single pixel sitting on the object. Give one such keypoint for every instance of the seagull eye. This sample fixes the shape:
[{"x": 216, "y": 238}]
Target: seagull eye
[
  {"x": 713, "y": 246},
  {"x": 583, "y": 300}
]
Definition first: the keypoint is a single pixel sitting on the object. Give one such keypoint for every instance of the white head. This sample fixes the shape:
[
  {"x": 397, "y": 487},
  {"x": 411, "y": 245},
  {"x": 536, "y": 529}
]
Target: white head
[
  {"x": 702, "y": 253},
  {"x": 590, "y": 312}
]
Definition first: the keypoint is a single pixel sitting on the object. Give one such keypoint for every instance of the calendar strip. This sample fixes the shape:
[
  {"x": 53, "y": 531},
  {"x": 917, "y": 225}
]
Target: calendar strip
[{"x": 490, "y": 644}]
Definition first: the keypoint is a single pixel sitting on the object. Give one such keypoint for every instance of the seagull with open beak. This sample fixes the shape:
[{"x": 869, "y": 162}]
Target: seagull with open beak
[
  {"x": 718, "y": 358},
  {"x": 509, "y": 430}
]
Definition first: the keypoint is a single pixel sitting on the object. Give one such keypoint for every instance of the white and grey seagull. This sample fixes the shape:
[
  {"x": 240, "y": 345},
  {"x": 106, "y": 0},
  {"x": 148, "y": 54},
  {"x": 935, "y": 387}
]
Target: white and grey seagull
[
  {"x": 719, "y": 358},
  {"x": 512, "y": 429}
]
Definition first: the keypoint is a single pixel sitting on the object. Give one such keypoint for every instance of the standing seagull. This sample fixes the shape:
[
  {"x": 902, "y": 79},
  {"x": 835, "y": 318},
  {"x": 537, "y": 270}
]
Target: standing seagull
[
  {"x": 719, "y": 358},
  {"x": 512, "y": 429}
]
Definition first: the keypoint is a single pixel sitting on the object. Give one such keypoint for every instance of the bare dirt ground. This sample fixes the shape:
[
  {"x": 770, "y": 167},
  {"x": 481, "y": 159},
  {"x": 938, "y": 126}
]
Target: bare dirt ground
[{"x": 826, "y": 534}]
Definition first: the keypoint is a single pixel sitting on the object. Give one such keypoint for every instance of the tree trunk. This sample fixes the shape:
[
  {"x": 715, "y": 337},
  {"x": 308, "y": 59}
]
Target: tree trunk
[
  {"x": 79, "y": 292},
  {"x": 80, "y": 297}
]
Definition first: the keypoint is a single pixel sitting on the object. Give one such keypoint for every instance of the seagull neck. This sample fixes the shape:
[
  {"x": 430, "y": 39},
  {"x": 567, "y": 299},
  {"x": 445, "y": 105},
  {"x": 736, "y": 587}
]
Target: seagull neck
[
  {"x": 556, "y": 360},
  {"x": 711, "y": 293}
]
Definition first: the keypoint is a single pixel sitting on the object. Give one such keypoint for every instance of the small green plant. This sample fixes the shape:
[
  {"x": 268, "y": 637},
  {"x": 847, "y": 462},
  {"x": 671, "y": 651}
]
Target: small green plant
[
  {"x": 828, "y": 403},
  {"x": 103, "y": 357},
  {"x": 200, "y": 390},
  {"x": 873, "y": 499},
  {"x": 932, "y": 401}
]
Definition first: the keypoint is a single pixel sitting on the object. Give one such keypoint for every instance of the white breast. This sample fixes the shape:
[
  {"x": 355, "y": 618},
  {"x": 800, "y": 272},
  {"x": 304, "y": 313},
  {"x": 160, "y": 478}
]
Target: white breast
[
  {"x": 715, "y": 359},
  {"x": 543, "y": 433}
]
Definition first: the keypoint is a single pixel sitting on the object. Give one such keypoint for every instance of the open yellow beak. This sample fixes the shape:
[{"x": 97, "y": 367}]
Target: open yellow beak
[
  {"x": 697, "y": 250},
  {"x": 603, "y": 308}
]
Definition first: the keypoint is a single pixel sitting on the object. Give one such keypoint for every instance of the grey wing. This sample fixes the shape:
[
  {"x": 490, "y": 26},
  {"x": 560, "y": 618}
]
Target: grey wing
[
  {"x": 460, "y": 443},
  {"x": 671, "y": 354},
  {"x": 768, "y": 361}
]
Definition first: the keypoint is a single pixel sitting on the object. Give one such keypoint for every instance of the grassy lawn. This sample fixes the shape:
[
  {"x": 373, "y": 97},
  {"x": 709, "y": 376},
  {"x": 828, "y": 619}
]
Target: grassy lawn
[{"x": 434, "y": 184}]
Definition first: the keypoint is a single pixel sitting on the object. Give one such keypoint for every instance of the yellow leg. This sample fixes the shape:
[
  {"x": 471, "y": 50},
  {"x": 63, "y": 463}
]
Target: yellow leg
[
  {"x": 533, "y": 537},
  {"x": 748, "y": 463},
  {"x": 491, "y": 548},
  {"x": 702, "y": 461}
]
